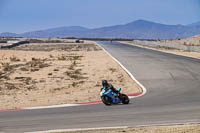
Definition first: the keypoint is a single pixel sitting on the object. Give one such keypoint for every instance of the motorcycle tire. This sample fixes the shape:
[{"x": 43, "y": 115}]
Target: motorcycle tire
[
  {"x": 125, "y": 99},
  {"x": 106, "y": 100}
]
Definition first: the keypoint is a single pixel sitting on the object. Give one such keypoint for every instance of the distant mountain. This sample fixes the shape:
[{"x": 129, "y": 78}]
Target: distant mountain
[
  {"x": 71, "y": 28},
  {"x": 194, "y": 24},
  {"x": 56, "y": 32},
  {"x": 8, "y": 34},
  {"x": 140, "y": 29}
]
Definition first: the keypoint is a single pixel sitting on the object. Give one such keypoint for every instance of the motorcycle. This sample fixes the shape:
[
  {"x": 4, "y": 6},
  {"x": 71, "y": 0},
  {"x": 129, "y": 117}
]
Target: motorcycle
[{"x": 109, "y": 97}]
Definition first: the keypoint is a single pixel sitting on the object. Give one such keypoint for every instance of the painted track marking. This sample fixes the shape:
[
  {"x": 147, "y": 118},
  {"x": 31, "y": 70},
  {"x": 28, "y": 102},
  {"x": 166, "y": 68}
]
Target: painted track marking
[
  {"x": 144, "y": 90},
  {"x": 79, "y": 129}
]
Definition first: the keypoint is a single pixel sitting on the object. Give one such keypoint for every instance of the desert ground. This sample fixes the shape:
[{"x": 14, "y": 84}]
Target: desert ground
[
  {"x": 154, "y": 129},
  {"x": 190, "y": 41},
  {"x": 57, "y": 72}
]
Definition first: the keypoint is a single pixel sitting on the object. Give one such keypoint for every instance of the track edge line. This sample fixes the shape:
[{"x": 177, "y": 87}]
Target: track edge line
[
  {"x": 144, "y": 90},
  {"x": 79, "y": 129}
]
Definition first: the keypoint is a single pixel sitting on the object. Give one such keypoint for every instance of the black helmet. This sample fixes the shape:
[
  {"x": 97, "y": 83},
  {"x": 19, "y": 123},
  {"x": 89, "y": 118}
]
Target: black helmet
[{"x": 104, "y": 83}]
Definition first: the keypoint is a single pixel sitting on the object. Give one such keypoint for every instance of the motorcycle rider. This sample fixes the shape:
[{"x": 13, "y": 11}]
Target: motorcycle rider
[{"x": 108, "y": 86}]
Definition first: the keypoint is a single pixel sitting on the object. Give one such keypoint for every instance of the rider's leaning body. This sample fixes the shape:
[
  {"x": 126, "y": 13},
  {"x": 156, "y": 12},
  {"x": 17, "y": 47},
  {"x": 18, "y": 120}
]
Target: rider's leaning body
[{"x": 108, "y": 86}]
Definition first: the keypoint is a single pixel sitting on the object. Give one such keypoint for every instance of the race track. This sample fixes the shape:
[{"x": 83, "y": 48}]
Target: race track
[{"x": 173, "y": 96}]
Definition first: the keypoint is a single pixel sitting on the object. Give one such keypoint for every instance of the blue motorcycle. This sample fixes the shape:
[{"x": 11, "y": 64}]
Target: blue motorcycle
[{"x": 108, "y": 97}]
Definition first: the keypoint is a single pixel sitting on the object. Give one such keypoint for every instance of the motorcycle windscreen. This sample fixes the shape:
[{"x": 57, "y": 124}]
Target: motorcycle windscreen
[{"x": 102, "y": 92}]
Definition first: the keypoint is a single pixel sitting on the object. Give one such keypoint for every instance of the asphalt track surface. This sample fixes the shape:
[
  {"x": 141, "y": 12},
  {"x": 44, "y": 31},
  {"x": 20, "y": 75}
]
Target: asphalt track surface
[{"x": 173, "y": 96}]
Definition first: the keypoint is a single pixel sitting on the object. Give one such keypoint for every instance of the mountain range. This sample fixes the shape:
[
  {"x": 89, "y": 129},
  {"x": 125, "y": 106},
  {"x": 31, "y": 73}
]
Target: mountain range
[
  {"x": 195, "y": 24},
  {"x": 140, "y": 29}
]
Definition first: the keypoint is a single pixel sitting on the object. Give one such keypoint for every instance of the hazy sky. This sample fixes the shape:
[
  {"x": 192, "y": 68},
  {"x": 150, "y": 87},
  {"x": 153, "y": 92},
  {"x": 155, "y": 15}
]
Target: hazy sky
[{"x": 29, "y": 15}]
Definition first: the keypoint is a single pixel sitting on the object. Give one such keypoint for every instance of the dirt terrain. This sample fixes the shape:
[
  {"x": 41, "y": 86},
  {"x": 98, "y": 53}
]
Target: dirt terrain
[
  {"x": 190, "y": 41},
  {"x": 155, "y": 129},
  {"x": 41, "y": 74}
]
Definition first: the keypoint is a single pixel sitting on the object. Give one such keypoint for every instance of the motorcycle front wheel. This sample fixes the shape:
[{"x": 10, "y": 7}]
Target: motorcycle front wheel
[{"x": 106, "y": 100}]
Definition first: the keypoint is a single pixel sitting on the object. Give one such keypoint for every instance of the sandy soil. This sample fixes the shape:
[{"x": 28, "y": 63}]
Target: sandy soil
[
  {"x": 173, "y": 51},
  {"x": 154, "y": 129},
  {"x": 190, "y": 41},
  {"x": 49, "y": 74}
]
